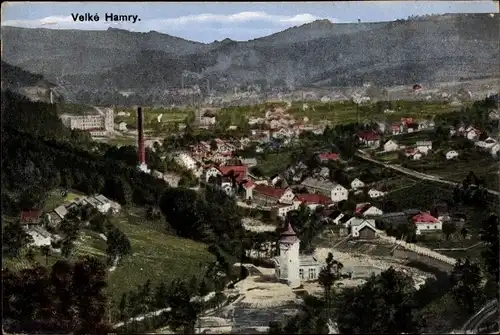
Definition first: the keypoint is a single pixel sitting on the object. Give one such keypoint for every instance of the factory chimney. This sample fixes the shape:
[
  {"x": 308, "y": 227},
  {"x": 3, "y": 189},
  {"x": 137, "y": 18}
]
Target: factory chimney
[{"x": 140, "y": 141}]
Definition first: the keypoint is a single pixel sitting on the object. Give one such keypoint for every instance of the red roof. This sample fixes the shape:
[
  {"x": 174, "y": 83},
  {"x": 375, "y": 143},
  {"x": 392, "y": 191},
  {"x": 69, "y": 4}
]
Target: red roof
[
  {"x": 368, "y": 135},
  {"x": 30, "y": 216},
  {"x": 424, "y": 218},
  {"x": 289, "y": 235},
  {"x": 270, "y": 191},
  {"x": 395, "y": 126},
  {"x": 248, "y": 184},
  {"x": 361, "y": 208},
  {"x": 328, "y": 156},
  {"x": 407, "y": 120},
  {"x": 240, "y": 171},
  {"x": 313, "y": 199}
]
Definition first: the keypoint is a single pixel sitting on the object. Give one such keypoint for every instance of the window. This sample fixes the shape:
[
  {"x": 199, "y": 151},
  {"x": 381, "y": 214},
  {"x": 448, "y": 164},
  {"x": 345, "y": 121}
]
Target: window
[
  {"x": 278, "y": 273},
  {"x": 428, "y": 227},
  {"x": 312, "y": 273},
  {"x": 301, "y": 273}
]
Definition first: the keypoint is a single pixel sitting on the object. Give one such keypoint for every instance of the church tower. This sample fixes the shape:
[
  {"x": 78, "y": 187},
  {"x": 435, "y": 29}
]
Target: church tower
[{"x": 289, "y": 245}]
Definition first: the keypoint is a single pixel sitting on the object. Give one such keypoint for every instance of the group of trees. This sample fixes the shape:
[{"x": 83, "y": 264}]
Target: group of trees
[
  {"x": 307, "y": 224},
  {"x": 208, "y": 216},
  {"x": 66, "y": 298},
  {"x": 14, "y": 238},
  {"x": 389, "y": 297}
]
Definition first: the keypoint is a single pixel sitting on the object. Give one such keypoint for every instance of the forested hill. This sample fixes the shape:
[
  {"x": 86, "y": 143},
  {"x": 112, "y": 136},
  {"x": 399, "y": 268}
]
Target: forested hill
[
  {"x": 14, "y": 77},
  {"x": 32, "y": 85},
  {"x": 437, "y": 48}
]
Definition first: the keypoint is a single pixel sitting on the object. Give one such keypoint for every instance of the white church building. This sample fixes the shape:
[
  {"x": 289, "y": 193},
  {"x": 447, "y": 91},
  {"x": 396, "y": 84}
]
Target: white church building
[{"x": 290, "y": 266}]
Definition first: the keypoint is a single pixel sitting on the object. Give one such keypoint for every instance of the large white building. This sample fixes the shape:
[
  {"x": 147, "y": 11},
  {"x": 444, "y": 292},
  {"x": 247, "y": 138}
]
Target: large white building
[
  {"x": 98, "y": 123},
  {"x": 290, "y": 266}
]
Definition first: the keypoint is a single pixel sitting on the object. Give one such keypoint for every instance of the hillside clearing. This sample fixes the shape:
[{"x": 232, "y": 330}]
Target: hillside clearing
[{"x": 155, "y": 256}]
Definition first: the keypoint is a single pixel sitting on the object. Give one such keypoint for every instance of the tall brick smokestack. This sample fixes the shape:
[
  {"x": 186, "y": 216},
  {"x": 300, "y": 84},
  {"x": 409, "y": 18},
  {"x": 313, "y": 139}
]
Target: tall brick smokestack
[{"x": 140, "y": 138}]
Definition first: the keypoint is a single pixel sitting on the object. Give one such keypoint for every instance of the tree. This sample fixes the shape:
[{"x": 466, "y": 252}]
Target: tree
[
  {"x": 118, "y": 244},
  {"x": 489, "y": 235},
  {"x": 67, "y": 247},
  {"x": 390, "y": 297},
  {"x": 275, "y": 327},
  {"x": 184, "y": 313},
  {"x": 122, "y": 307},
  {"x": 45, "y": 249},
  {"x": 160, "y": 296},
  {"x": 13, "y": 239},
  {"x": 327, "y": 276},
  {"x": 310, "y": 320},
  {"x": 466, "y": 285},
  {"x": 30, "y": 255},
  {"x": 213, "y": 145},
  {"x": 448, "y": 229}
]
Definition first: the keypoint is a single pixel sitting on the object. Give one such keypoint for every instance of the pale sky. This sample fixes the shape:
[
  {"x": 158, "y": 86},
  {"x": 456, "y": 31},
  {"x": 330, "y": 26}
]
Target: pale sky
[{"x": 209, "y": 21}]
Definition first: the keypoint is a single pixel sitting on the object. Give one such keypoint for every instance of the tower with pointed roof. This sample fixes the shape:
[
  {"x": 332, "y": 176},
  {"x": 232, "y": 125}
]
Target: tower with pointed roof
[{"x": 289, "y": 259}]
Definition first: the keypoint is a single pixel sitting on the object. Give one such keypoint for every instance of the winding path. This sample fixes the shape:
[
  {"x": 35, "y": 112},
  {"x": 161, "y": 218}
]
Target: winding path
[{"x": 414, "y": 173}]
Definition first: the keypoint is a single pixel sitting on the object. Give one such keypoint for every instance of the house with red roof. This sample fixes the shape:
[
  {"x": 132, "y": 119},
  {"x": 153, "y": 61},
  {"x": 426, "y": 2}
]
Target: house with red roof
[
  {"x": 248, "y": 186},
  {"x": 269, "y": 195},
  {"x": 425, "y": 222},
  {"x": 396, "y": 128},
  {"x": 314, "y": 200},
  {"x": 328, "y": 156},
  {"x": 367, "y": 209},
  {"x": 369, "y": 138},
  {"x": 31, "y": 217}
]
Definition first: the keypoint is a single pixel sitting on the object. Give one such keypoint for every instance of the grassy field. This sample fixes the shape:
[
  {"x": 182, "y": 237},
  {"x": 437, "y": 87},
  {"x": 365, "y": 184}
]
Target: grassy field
[
  {"x": 394, "y": 184},
  {"x": 88, "y": 243},
  {"x": 155, "y": 256},
  {"x": 150, "y": 116},
  {"x": 484, "y": 167},
  {"x": 411, "y": 138}
]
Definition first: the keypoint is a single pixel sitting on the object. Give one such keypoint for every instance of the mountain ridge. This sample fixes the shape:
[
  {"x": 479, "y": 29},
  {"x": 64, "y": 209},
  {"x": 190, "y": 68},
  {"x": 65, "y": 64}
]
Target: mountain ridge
[{"x": 437, "y": 48}]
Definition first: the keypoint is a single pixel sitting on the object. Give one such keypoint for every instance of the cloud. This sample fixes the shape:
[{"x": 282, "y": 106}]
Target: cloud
[
  {"x": 240, "y": 26},
  {"x": 242, "y": 17}
]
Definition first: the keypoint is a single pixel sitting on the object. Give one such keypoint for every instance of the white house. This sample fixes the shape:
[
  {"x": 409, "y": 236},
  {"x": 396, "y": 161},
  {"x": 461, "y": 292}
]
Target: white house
[
  {"x": 122, "y": 126},
  {"x": 391, "y": 146},
  {"x": 472, "y": 133},
  {"x": 290, "y": 266},
  {"x": 372, "y": 211},
  {"x": 365, "y": 230},
  {"x": 284, "y": 209},
  {"x": 40, "y": 236},
  {"x": 424, "y": 146},
  {"x": 425, "y": 222},
  {"x": 453, "y": 131},
  {"x": 486, "y": 144},
  {"x": 272, "y": 195},
  {"x": 248, "y": 187},
  {"x": 417, "y": 155},
  {"x": 339, "y": 193},
  {"x": 187, "y": 161},
  {"x": 494, "y": 115},
  {"x": 212, "y": 171},
  {"x": 451, "y": 154},
  {"x": 373, "y": 193},
  {"x": 495, "y": 149},
  {"x": 357, "y": 184},
  {"x": 356, "y": 224}
]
